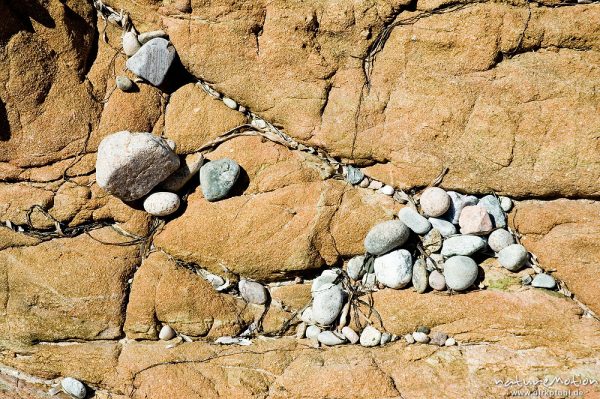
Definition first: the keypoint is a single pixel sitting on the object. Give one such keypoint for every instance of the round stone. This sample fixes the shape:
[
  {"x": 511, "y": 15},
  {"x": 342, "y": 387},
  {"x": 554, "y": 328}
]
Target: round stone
[
  {"x": 130, "y": 43},
  {"x": 462, "y": 245},
  {"x": 414, "y": 221},
  {"x": 350, "y": 335},
  {"x": 506, "y": 204},
  {"x": 394, "y": 270},
  {"x": 354, "y": 175},
  {"x": 474, "y": 219},
  {"x": 161, "y": 203},
  {"x": 73, "y": 387},
  {"x": 370, "y": 336},
  {"x": 364, "y": 183},
  {"x": 327, "y": 277},
  {"x": 513, "y": 257},
  {"x": 218, "y": 177},
  {"x": 409, "y": 339},
  {"x": 434, "y": 201},
  {"x": 450, "y": 342},
  {"x": 331, "y": 338},
  {"x": 437, "y": 281},
  {"x": 500, "y": 239},
  {"x": 312, "y": 332},
  {"x": 419, "y": 276},
  {"x": 123, "y": 83},
  {"x": 307, "y": 316},
  {"x": 420, "y": 337},
  {"x": 355, "y": 267},
  {"x": 385, "y": 236},
  {"x": 253, "y": 292},
  {"x": 166, "y": 333},
  {"x": 460, "y": 272},
  {"x": 327, "y": 304},
  {"x": 445, "y": 228},
  {"x": 387, "y": 190},
  {"x": 544, "y": 280},
  {"x": 230, "y": 103}
]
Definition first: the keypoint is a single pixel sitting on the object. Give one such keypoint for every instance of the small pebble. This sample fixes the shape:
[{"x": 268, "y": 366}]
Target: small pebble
[
  {"x": 331, "y": 338},
  {"x": 368, "y": 280},
  {"x": 445, "y": 228},
  {"x": 434, "y": 201},
  {"x": 253, "y": 292},
  {"x": 385, "y": 236},
  {"x": 500, "y": 239},
  {"x": 301, "y": 330},
  {"x": 161, "y": 203},
  {"x": 460, "y": 272},
  {"x": 420, "y": 337},
  {"x": 258, "y": 123},
  {"x": 492, "y": 206},
  {"x": 526, "y": 280},
  {"x": 375, "y": 185},
  {"x": 230, "y": 103},
  {"x": 386, "y": 190},
  {"x": 432, "y": 242},
  {"x": 423, "y": 329},
  {"x": 166, "y": 333},
  {"x": 437, "y": 281},
  {"x": 147, "y": 36},
  {"x": 370, "y": 336},
  {"x": 350, "y": 335},
  {"x": 544, "y": 280},
  {"x": 354, "y": 175},
  {"x": 409, "y": 339},
  {"x": 364, "y": 183},
  {"x": 73, "y": 387},
  {"x": 457, "y": 203},
  {"x": 217, "y": 178},
  {"x": 298, "y": 280},
  {"x": 312, "y": 332},
  {"x": 513, "y": 257},
  {"x": 462, "y": 245},
  {"x": 124, "y": 83},
  {"x": 414, "y": 221},
  {"x": 355, "y": 267},
  {"x": 439, "y": 338},
  {"x": 506, "y": 204},
  {"x": 130, "y": 43},
  {"x": 327, "y": 304},
  {"x": 474, "y": 219},
  {"x": 419, "y": 276},
  {"x": 394, "y": 270},
  {"x": 450, "y": 342},
  {"x": 385, "y": 338}
]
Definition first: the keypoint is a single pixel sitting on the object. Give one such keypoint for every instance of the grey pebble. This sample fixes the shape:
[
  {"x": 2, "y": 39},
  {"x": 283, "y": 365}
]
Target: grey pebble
[
  {"x": 492, "y": 206},
  {"x": 437, "y": 281},
  {"x": 152, "y": 61},
  {"x": 460, "y": 272},
  {"x": 327, "y": 304},
  {"x": 526, "y": 280},
  {"x": 312, "y": 332},
  {"x": 217, "y": 178},
  {"x": 443, "y": 226},
  {"x": 355, "y": 267},
  {"x": 544, "y": 280},
  {"x": 513, "y": 257},
  {"x": 354, "y": 175},
  {"x": 500, "y": 239},
  {"x": 386, "y": 236},
  {"x": 506, "y": 204},
  {"x": 166, "y": 333},
  {"x": 423, "y": 329},
  {"x": 124, "y": 83},
  {"x": 450, "y": 342},
  {"x": 327, "y": 277},
  {"x": 462, "y": 245},
  {"x": 435, "y": 262},
  {"x": 331, "y": 338},
  {"x": 253, "y": 292},
  {"x": 457, "y": 203},
  {"x": 350, "y": 335},
  {"x": 73, "y": 387},
  {"x": 385, "y": 338},
  {"x": 439, "y": 338},
  {"x": 147, "y": 36},
  {"x": 414, "y": 220},
  {"x": 370, "y": 336},
  {"x": 130, "y": 43},
  {"x": 420, "y": 276}
]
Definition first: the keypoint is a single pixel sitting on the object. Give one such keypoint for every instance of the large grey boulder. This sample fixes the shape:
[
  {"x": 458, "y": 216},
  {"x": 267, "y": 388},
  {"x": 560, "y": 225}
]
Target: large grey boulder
[{"x": 153, "y": 60}]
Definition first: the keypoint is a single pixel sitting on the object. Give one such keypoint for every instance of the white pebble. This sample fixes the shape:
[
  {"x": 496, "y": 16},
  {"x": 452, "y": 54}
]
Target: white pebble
[
  {"x": 375, "y": 185},
  {"x": 73, "y": 387},
  {"x": 331, "y": 338},
  {"x": 394, "y": 269},
  {"x": 409, "y": 339},
  {"x": 312, "y": 332},
  {"x": 450, "y": 342},
  {"x": 350, "y": 335},
  {"x": 420, "y": 337},
  {"x": 166, "y": 333},
  {"x": 364, "y": 183},
  {"x": 434, "y": 201},
  {"x": 500, "y": 239},
  {"x": 370, "y": 336},
  {"x": 307, "y": 316},
  {"x": 162, "y": 203},
  {"x": 506, "y": 204},
  {"x": 230, "y": 103},
  {"x": 258, "y": 123},
  {"x": 387, "y": 190},
  {"x": 130, "y": 43},
  {"x": 327, "y": 304}
]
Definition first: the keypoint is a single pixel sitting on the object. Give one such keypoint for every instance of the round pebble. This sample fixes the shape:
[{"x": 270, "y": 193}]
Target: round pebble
[
  {"x": 350, "y": 335},
  {"x": 513, "y": 257},
  {"x": 394, "y": 270},
  {"x": 420, "y": 337},
  {"x": 327, "y": 304},
  {"x": 419, "y": 276},
  {"x": 437, "y": 281},
  {"x": 124, "y": 83},
  {"x": 364, "y": 183},
  {"x": 162, "y": 203},
  {"x": 230, "y": 103},
  {"x": 500, "y": 239},
  {"x": 370, "y": 336},
  {"x": 387, "y": 190},
  {"x": 414, "y": 220},
  {"x": 385, "y": 236},
  {"x": 166, "y": 333},
  {"x": 462, "y": 245},
  {"x": 331, "y": 338},
  {"x": 73, "y": 387},
  {"x": 307, "y": 316},
  {"x": 130, "y": 43},
  {"x": 450, "y": 342},
  {"x": 409, "y": 339},
  {"x": 445, "y": 228},
  {"x": 474, "y": 219},
  {"x": 312, "y": 332},
  {"x": 434, "y": 201},
  {"x": 506, "y": 204},
  {"x": 543, "y": 280},
  {"x": 460, "y": 272},
  {"x": 253, "y": 292},
  {"x": 355, "y": 267}
]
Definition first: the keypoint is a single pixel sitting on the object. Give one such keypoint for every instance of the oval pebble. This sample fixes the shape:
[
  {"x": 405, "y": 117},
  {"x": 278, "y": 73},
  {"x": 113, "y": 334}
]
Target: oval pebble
[
  {"x": 394, "y": 270},
  {"x": 312, "y": 332},
  {"x": 327, "y": 304},
  {"x": 386, "y": 190},
  {"x": 513, "y": 257},
  {"x": 218, "y": 177},
  {"x": 462, "y": 245},
  {"x": 253, "y": 292},
  {"x": 460, "y": 272},
  {"x": 506, "y": 204},
  {"x": 445, "y": 228},
  {"x": 230, "y": 103},
  {"x": 409, "y": 339},
  {"x": 364, "y": 183},
  {"x": 123, "y": 83},
  {"x": 385, "y": 236},
  {"x": 375, "y": 185},
  {"x": 450, "y": 342},
  {"x": 166, "y": 333},
  {"x": 130, "y": 43},
  {"x": 420, "y": 337},
  {"x": 331, "y": 338},
  {"x": 543, "y": 280},
  {"x": 419, "y": 276},
  {"x": 437, "y": 281},
  {"x": 414, "y": 220},
  {"x": 307, "y": 316},
  {"x": 355, "y": 267},
  {"x": 500, "y": 239},
  {"x": 73, "y": 387},
  {"x": 161, "y": 203},
  {"x": 350, "y": 335},
  {"x": 370, "y": 336},
  {"x": 434, "y": 201}
]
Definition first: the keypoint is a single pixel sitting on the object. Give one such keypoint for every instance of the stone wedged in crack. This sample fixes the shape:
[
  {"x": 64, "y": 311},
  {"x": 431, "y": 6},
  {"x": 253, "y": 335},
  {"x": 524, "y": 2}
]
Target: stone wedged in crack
[
  {"x": 354, "y": 175},
  {"x": 543, "y": 280},
  {"x": 312, "y": 332},
  {"x": 350, "y": 335},
  {"x": 420, "y": 337},
  {"x": 161, "y": 203},
  {"x": 327, "y": 277},
  {"x": 253, "y": 292},
  {"x": 432, "y": 242},
  {"x": 474, "y": 219},
  {"x": 370, "y": 336},
  {"x": 500, "y": 239},
  {"x": 414, "y": 221},
  {"x": 327, "y": 304},
  {"x": 493, "y": 207},
  {"x": 217, "y": 178},
  {"x": 394, "y": 269},
  {"x": 166, "y": 333},
  {"x": 435, "y": 201},
  {"x": 386, "y": 236},
  {"x": 460, "y": 272},
  {"x": 129, "y": 165},
  {"x": 153, "y": 61},
  {"x": 462, "y": 245},
  {"x": 73, "y": 387},
  {"x": 513, "y": 257}
]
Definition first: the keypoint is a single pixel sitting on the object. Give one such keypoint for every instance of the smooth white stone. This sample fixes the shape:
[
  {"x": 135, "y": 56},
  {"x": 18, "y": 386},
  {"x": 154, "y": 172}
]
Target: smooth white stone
[
  {"x": 166, "y": 333},
  {"x": 370, "y": 336},
  {"x": 161, "y": 203}
]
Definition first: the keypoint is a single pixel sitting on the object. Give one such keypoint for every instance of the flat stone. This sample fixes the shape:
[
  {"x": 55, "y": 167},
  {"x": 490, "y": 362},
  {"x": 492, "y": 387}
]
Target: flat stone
[
  {"x": 434, "y": 201},
  {"x": 437, "y": 281},
  {"x": 253, "y": 292},
  {"x": 161, "y": 203},
  {"x": 462, "y": 245},
  {"x": 217, "y": 178},
  {"x": 147, "y": 36},
  {"x": 500, "y": 239},
  {"x": 414, "y": 220},
  {"x": 394, "y": 270},
  {"x": 130, "y": 43},
  {"x": 445, "y": 228},
  {"x": 370, "y": 336},
  {"x": 544, "y": 280},
  {"x": 506, "y": 204},
  {"x": 355, "y": 267},
  {"x": 432, "y": 242},
  {"x": 331, "y": 338},
  {"x": 152, "y": 61},
  {"x": 327, "y": 304},
  {"x": 123, "y": 83},
  {"x": 438, "y": 338},
  {"x": 354, "y": 175},
  {"x": 420, "y": 276},
  {"x": 474, "y": 219},
  {"x": 457, "y": 203},
  {"x": 129, "y": 165},
  {"x": 166, "y": 333},
  {"x": 460, "y": 272},
  {"x": 385, "y": 236},
  {"x": 409, "y": 339},
  {"x": 513, "y": 257},
  {"x": 492, "y": 205},
  {"x": 420, "y": 337},
  {"x": 187, "y": 169},
  {"x": 350, "y": 335},
  {"x": 312, "y": 332},
  {"x": 73, "y": 387}
]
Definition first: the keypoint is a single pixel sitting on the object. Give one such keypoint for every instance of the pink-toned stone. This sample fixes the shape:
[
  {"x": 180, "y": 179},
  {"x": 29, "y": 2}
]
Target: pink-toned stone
[
  {"x": 434, "y": 201},
  {"x": 474, "y": 219}
]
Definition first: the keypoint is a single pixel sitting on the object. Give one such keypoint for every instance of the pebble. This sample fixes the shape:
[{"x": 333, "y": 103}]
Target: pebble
[
  {"x": 513, "y": 257},
  {"x": 331, "y": 338},
  {"x": 500, "y": 239},
  {"x": 312, "y": 332},
  {"x": 301, "y": 330},
  {"x": 161, "y": 203},
  {"x": 385, "y": 236},
  {"x": 166, "y": 333},
  {"x": 474, "y": 219},
  {"x": 375, "y": 185},
  {"x": 354, "y": 175},
  {"x": 73, "y": 387},
  {"x": 217, "y": 178},
  {"x": 462, "y": 245},
  {"x": 394, "y": 270},
  {"x": 420, "y": 337},
  {"x": 506, "y": 204},
  {"x": 435, "y": 262},
  {"x": 409, "y": 339},
  {"x": 432, "y": 242},
  {"x": 327, "y": 277},
  {"x": 414, "y": 221},
  {"x": 355, "y": 267},
  {"x": 364, "y": 183},
  {"x": 370, "y": 336},
  {"x": 129, "y": 165},
  {"x": 419, "y": 276},
  {"x": 445, "y": 228},
  {"x": 153, "y": 61},
  {"x": 460, "y": 272},
  {"x": 189, "y": 168},
  {"x": 434, "y": 201},
  {"x": 147, "y": 36},
  {"x": 385, "y": 338},
  {"x": 368, "y": 280},
  {"x": 258, "y": 123},
  {"x": 544, "y": 280},
  {"x": 423, "y": 329},
  {"x": 230, "y": 103},
  {"x": 307, "y": 316},
  {"x": 387, "y": 190},
  {"x": 439, "y": 338},
  {"x": 327, "y": 304},
  {"x": 457, "y": 203},
  {"x": 492, "y": 206},
  {"x": 124, "y": 83},
  {"x": 527, "y": 279},
  {"x": 450, "y": 342},
  {"x": 131, "y": 44},
  {"x": 350, "y": 335},
  {"x": 253, "y": 292},
  {"x": 437, "y": 281}
]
